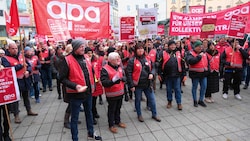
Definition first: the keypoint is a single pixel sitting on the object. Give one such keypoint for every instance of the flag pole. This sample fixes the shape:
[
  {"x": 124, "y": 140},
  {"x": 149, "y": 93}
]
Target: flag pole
[{"x": 8, "y": 119}]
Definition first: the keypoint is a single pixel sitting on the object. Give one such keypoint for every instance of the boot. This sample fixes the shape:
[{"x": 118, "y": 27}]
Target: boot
[
  {"x": 169, "y": 105},
  {"x": 30, "y": 113},
  {"x": 17, "y": 119},
  {"x": 66, "y": 120}
]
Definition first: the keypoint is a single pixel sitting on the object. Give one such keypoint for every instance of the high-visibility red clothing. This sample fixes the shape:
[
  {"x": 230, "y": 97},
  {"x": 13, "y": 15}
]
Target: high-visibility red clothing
[
  {"x": 201, "y": 66},
  {"x": 214, "y": 62},
  {"x": 152, "y": 55},
  {"x": 13, "y": 62},
  {"x": 166, "y": 57},
  {"x": 34, "y": 62},
  {"x": 76, "y": 74},
  {"x": 234, "y": 57},
  {"x": 116, "y": 89},
  {"x": 138, "y": 69}
]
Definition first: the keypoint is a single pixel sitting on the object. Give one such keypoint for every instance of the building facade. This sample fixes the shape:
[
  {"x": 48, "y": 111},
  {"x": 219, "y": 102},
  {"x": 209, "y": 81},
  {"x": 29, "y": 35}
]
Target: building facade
[{"x": 210, "y": 5}]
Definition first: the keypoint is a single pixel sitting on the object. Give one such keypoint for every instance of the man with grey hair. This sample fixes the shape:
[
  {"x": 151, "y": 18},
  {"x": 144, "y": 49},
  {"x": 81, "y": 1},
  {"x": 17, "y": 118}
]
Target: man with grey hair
[{"x": 113, "y": 78}]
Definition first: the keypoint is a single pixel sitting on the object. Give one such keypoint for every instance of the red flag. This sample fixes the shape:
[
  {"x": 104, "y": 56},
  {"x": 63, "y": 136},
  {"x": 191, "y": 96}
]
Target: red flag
[
  {"x": 14, "y": 19},
  {"x": 7, "y": 20}
]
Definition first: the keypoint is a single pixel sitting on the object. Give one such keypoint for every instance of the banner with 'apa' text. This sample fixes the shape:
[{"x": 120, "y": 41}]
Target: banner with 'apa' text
[
  {"x": 85, "y": 19},
  {"x": 190, "y": 24}
]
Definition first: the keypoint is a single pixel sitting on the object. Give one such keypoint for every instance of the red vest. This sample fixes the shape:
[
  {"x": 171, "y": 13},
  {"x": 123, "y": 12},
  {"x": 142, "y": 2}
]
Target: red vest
[
  {"x": 125, "y": 54},
  {"x": 33, "y": 61},
  {"x": 76, "y": 74},
  {"x": 44, "y": 55},
  {"x": 13, "y": 62},
  {"x": 233, "y": 57},
  {"x": 166, "y": 57},
  {"x": 214, "y": 62},
  {"x": 138, "y": 68},
  {"x": 152, "y": 55},
  {"x": 201, "y": 66},
  {"x": 116, "y": 89}
]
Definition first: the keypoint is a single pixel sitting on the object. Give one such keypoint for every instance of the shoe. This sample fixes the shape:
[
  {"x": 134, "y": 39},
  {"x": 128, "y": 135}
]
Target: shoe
[
  {"x": 243, "y": 83},
  {"x": 94, "y": 137},
  {"x": 17, "y": 119},
  {"x": 156, "y": 118},
  {"x": 40, "y": 95},
  {"x": 169, "y": 105},
  {"x": 237, "y": 96},
  {"x": 195, "y": 104},
  {"x": 212, "y": 100},
  {"x": 30, "y": 113},
  {"x": 50, "y": 89},
  {"x": 59, "y": 97},
  {"x": 67, "y": 125},
  {"x": 97, "y": 115},
  {"x": 37, "y": 100},
  {"x": 182, "y": 91},
  {"x": 122, "y": 125},
  {"x": 113, "y": 129},
  {"x": 7, "y": 138},
  {"x": 202, "y": 104},
  {"x": 208, "y": 100},
  {"x": 44, "y": 89},
  {"x": 245, "y": 87},
  {"x": 179, "y": 107},
  {"x": 94, "y": 121},
  {"x": 140, "y": 118},
  {"x": 79, "y": 122},
  {"x": 225, "y": 96},
  {"x": 32, "y": 96}
]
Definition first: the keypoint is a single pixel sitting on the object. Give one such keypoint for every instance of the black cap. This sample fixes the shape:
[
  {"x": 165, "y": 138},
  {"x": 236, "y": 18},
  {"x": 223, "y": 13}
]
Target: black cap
[{"x": 76, "y": 44}]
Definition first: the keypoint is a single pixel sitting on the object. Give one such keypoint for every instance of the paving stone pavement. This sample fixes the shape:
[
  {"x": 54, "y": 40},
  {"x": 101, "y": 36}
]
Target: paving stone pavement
[{"x": 224, "y": 120}]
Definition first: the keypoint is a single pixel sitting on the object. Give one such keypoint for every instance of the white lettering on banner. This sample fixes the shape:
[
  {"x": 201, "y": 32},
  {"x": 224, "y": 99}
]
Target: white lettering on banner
[
  {"x": 9, "y": 97},
  {"x": 198, "y": 10},
  {"x": 66, "y": 12},
  {"x": 244, "y": 10}
]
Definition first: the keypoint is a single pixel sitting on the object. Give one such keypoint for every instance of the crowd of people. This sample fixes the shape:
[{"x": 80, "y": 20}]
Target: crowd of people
[{"x": 124, "y": 70}]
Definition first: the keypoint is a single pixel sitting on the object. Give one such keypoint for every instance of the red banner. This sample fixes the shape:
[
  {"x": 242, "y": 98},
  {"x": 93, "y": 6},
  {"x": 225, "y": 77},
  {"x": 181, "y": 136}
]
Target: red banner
[
  {"x": 127, "y": 28},
  {"x": 86, "y": 19},
  {"x": 190, "y": 24},
  {"x": 207, "y": 28},
  {"x": 199, "y": 9},
  {"x": 9, "y": 91},
  {"x": 161, "y": 30},
  {"x": 237, "y": 26}
]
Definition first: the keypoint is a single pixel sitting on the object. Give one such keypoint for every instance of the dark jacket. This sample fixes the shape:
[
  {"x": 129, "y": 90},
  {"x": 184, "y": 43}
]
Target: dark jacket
[
  {"x": 171, "y": 67},
  {"x": 64, "y": 74},
  {"x": 144, "y": 82},
  {"x": 106, "y": 82},
  {"x": 36, "y": 77},
  {"x": 193, "y": 60},
  {"x": 25, "y": 83}
]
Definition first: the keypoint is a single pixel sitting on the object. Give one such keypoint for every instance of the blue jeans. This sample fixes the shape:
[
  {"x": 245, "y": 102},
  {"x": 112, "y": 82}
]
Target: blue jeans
[
  {"x": 173, "y": 83},
  {"x": 75, "y": 109},
  {"x": 203, "y": 87},
  {"x": 248, "y": 75},
  {"x": 150, "y": 98},
  {"x": 46, "y": 75}
]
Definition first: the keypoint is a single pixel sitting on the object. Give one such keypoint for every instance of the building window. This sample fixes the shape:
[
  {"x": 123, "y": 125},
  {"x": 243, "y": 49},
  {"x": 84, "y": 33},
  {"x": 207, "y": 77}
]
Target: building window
[
  {"x": 137, "y": 7},
  {"x": 228, "y": 6},
  {"x": 210, "y": 9},
  {"x": 128, "y": 7},
  {"x": 173, "y": 1},
  {"x": 146, "y": 5},
  {"x": 1, "y": 13},
  {"x": 173, "y": 8},
  {"x": 218, "y": 8},
  {"x": 156, "y": 5}
]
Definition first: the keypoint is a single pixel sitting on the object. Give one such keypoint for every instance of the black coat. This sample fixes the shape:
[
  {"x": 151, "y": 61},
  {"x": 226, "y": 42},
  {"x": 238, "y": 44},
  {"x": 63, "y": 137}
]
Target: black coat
[{"x": 213, "y": 82}]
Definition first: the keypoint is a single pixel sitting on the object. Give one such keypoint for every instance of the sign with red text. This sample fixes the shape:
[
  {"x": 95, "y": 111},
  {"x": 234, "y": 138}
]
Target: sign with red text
[
  {"x": 147, "y": 25},
  {"x": 127, "y": 28},
  {"x": 237, "y": 26},
  {"x": 161, "y": 30},
  {"x": 199, "y": 9},
  {"x": 207, "y": 28},
  {"x": 190, "y": 24},
  {"x": 85, "y": 19},
  {"x": 9, "y": 91}
]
